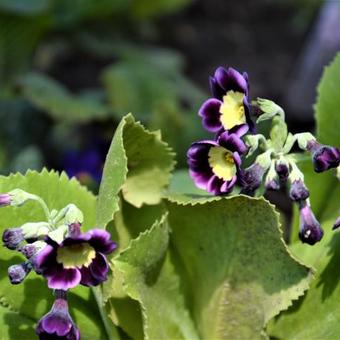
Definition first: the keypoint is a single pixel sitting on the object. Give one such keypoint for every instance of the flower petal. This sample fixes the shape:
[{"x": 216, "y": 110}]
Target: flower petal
[
  {"x": 99, "y": 267},
  {"x": 230, "y": 79},
  {"x": 61, "y": 278},
  {"x": 210, "y": 112},
  {"x": 101, "y": 241},
  {"x": 232, "y": 142}
]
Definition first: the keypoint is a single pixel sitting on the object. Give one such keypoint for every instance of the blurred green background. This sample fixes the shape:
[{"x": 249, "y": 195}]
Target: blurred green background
[{"x": 69, "y": 70}]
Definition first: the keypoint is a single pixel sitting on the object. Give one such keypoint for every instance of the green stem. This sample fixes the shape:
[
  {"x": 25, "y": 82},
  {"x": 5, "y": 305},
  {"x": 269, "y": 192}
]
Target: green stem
[
  {"x": 110, "y": 328},
  {"x": 44, "y": 206}
]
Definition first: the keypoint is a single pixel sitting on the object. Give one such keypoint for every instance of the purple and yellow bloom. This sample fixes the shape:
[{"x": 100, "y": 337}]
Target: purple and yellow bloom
[
  {"x": 324, "y": 156},
  {"x": 78, "y": 259},
  {"x": 310, "y": 229},
  {"x": 214, "y": 165},
  {"x": 58, "y": 324},
  {"x": 229, "y": 110}
]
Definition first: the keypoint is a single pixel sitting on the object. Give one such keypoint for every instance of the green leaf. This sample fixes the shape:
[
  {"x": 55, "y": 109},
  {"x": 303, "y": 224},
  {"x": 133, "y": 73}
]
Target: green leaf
[
  {"x": 138, "y": 164},
  {"x": 150, "y": 278},
  {"x": 278, "y": 133},
  {"x": 51, "y": 97},
  {"x": 238, "y": 271},
  {"x": 315, "y": 316},
  {"x": 32, "y": 299}
]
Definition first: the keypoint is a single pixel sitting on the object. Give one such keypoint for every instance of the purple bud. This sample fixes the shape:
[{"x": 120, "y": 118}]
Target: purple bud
[
  {"x": 5, "y": 199},
  {"x": 337, "y": 223},
  {"x": 310, "y": 229},
  {"x": 298, "y": 191},
  {"x": 74, "y": 229},
  {"x": 251, "y": 178},
  {"x": 324, "y": 156},
  {"x": 18, "y": 272},
  {"x": 28, "y": 250},
  {"x": 57, "y": 323},
  {"x": 12, "y": 237},
  {"x": 282, "y": 171}
]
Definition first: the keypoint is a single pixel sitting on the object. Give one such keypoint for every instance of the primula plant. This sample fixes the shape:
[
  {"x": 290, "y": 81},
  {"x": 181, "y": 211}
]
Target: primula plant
[{"x": 155, "y": 257}]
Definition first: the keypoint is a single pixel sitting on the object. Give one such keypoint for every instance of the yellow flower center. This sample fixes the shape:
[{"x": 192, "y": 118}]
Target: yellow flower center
[
  {"x": 222, "y": 163},
  {"x": 76, "y": 255},
  {"x": 232, "y": 110}
]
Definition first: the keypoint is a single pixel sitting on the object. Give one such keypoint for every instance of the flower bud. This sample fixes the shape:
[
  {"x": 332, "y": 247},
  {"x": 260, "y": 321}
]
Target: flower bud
[
  {"x": 337, "y": 223},
  {"x": 298, "y": 191},
  {"x": 18, "y": 272},
  {"x": 20, "y": 197},
  {"x": 31, "y": 249},
  {"x": 282, "y": 169},
  {"x": 5, "y": 200},
  {"x": 324, "y": 156},
  {"x": 12, "y": 237},
  {"x": 251, "y": 179},
  {"x": 272, "y": 179},
  {"x": 310, "y": 229}
]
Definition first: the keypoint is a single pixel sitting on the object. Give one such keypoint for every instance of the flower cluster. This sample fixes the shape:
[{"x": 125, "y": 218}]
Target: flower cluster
[
  {"x": 58, "y": 250},
  {"x": 216, "y": 165}
]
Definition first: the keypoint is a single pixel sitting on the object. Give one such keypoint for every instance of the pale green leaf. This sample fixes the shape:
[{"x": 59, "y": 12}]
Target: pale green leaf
[
  {"x": 238, "y": 270},
  {"x": 150, "y": 278},
  {"x": 138, "y": 164}
]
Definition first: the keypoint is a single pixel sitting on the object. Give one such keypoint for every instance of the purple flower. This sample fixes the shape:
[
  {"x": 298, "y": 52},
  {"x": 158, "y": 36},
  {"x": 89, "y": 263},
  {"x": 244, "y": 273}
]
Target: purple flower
[
  {"x": 251, "y": 178},
  {"x": 5, "y": 199},
  {"x": 214, "y": 165},
  {"x": 58, "y": 324},
  {"x": 80, "y": 258},
  {"x": 324, "y": 156},
  {"x": 229, "y": 110},
  {"x": 310, "y": 229},
  {"x": 298, "y": 191},
  {"x": 12, "y": 237},
  {"x": 18, "y": 272}
]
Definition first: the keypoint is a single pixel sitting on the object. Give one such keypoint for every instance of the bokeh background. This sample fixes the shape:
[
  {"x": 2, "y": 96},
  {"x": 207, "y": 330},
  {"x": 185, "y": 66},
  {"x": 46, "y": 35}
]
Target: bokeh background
[{"x": 69, "y": 70}]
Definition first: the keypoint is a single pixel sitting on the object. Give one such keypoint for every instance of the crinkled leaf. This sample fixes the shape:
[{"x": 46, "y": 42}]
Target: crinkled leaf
[
  {"x": 32, "y": 299},
  {"x": 238, "y": 269},
  {"x": 51, "y": 97},
  {"x": 315, "y": 316},
  {"x": 150, "y": 278},
  {"x": 138, "y": 164}
]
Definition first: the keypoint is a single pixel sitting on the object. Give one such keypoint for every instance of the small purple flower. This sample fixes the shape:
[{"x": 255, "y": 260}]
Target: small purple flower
[
  {"x": 57, "y": 323},
  {"x": 79, "y": 259},
  {"x": 310, "y": 229},
  {"x": 18, "y": 272},
  {"x": 324, "y": 156},
  {"x": 12, "y": 237},
  {"x": 251, "y": 178},
  {"x": 214, "y": 165},
  {"x": 298, "y": 191},
  {"x": 337, "y": 223},
  {"x": 229, "y": 110},
  {"x": 5, "y": 200}
]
